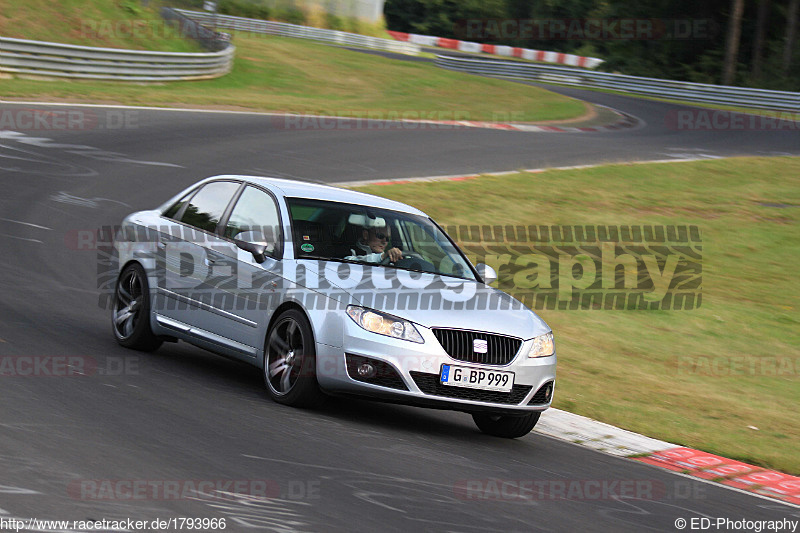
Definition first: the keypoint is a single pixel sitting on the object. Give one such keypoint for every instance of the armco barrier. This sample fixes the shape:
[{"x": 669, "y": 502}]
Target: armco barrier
[
  {"x": 210, "y": 40},
  {"x": 676, "y": 90},
  {"x": 39, "y": 58},
  {"x": 496, "y": 49},
  {"x": 301, "y": 32}
]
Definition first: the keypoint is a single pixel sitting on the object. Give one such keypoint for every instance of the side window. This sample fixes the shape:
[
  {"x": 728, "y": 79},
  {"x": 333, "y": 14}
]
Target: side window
[
  {"x": 207, "y": 206},
  {"x": 254, "y": 211},
  {"x": 176, "y": 207}
]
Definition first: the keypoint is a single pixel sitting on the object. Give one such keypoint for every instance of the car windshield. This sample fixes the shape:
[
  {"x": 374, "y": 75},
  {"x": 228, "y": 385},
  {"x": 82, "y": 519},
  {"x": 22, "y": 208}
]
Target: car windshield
[{"x": 352, "y": 233}]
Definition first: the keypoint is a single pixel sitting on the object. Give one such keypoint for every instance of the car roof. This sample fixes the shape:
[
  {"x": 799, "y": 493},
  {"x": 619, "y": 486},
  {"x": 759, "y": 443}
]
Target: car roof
[{"x": 317, "y": 191}]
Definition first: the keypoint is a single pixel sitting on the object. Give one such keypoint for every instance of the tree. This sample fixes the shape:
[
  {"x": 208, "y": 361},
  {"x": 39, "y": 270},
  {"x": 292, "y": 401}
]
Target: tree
[
  {"x": 713, "y": 41},
  {"x": 440, "y": 18},
  {"x": 760, "y": 38},
  {"x": 732, "y": 42},
  {"x": 791, "y": 35}
]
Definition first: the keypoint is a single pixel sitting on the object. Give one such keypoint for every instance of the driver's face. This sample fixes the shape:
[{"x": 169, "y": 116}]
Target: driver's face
[{"x": 378, "y": 238}]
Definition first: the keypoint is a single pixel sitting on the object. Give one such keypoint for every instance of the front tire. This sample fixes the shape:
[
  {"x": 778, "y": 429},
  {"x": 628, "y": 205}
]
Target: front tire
[
  {"x": 290, "y": 360},
  {"x": 130, "y": 311},
  {"x": 509, "y": 427}
]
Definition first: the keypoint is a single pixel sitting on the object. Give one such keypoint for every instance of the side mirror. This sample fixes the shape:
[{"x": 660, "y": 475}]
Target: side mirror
[
  {"x": 254, "y": 242},
  {"x": 486, "y": 272}
]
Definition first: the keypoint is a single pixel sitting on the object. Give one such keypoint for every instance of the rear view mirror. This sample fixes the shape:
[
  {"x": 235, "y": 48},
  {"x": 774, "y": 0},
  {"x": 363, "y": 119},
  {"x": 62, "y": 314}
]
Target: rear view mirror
[
  {"x": 364, "y": 221},
  {"x": 487, "y": 273},
  {"x": 254, "y": 242}
]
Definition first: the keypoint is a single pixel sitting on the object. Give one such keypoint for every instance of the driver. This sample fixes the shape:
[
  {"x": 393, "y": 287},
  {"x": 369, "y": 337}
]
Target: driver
[{"x": 371, "y": 247}]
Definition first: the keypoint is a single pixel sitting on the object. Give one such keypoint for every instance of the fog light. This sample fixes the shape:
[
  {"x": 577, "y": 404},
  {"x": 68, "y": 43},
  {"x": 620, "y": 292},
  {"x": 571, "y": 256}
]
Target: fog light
[
  {"x": 548, "y": 392},
  {"x": 366, "y": 370}
]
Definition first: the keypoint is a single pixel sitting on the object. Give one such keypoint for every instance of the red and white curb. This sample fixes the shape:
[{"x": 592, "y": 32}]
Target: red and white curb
[
  {"x": 596, "y": 435},
  {"x": 507, "y": 51},
  {"x": 372, "y": 122},
  {"x": 695, "y": 463},
  {"x": 462, "y": 177},
  {"x": 624, "y": 122}
]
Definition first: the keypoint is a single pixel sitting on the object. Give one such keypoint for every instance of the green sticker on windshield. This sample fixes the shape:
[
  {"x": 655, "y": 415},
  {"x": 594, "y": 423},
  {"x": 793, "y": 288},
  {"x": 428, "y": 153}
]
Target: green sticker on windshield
[{"x": 307, "y": 247}]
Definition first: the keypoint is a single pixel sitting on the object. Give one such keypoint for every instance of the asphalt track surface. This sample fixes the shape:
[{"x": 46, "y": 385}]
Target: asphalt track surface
[{"x": 73, "y": 447}]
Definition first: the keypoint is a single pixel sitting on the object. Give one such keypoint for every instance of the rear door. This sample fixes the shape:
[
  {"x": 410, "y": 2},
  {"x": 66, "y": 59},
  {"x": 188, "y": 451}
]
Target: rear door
[{"x": 195, "y": 261}]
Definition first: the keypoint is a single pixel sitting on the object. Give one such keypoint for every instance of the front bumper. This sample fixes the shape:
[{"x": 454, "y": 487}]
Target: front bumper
[{"x": 408, "y": 373}]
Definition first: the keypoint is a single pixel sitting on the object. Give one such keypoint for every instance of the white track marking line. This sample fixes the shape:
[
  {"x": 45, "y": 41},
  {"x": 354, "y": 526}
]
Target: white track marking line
[
  {"x": 26, "y": 224},
  {"x": 20, "y": 238}
]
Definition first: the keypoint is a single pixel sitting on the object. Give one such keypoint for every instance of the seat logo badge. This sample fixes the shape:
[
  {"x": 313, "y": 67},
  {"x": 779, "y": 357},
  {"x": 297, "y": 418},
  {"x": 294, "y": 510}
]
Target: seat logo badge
[{"x": 480, "y": 346}]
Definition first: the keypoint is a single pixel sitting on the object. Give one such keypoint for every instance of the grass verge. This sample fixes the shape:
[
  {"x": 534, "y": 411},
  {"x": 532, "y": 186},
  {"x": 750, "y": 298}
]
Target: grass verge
[
  {"x": 629, "y": 368},
  {"x": 119, "y": 24},
  {"x": 292, "y": 75}
]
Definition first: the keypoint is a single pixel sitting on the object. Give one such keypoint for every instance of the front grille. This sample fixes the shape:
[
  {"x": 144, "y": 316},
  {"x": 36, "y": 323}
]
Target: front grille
[
  {"x": 385, "y": 374},
  {"x": 543, "y": 395},
  {"x": 430, "y": 384},
  {"x": 459, "y": 345}
]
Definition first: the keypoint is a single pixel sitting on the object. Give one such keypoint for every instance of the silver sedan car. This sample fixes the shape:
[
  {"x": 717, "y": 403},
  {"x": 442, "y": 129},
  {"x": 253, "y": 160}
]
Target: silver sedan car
[{"x": 330, "y": 291}]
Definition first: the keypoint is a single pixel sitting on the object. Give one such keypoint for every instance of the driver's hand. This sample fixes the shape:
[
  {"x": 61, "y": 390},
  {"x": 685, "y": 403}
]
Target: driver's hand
[{"x": 394, "y": 254}]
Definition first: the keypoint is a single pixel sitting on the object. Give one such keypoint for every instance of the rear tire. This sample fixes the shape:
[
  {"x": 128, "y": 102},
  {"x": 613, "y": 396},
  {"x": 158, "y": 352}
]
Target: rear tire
[
  {"x": 130, "y": 310},
  {"x": 509, "y": 427},
  {"x": 290, "y": 360}
]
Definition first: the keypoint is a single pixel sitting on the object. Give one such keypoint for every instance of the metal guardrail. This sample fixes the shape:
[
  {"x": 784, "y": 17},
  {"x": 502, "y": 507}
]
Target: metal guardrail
[
  {"x": 210, "y": 40},
  {"x": 301, "y": 32},
  {"x": 677, "y": 90},
  {"x": 40, "y": 58}
]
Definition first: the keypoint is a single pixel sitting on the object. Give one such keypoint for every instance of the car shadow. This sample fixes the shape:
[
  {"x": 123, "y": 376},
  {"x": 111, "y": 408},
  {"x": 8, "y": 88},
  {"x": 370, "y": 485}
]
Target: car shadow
[{"x": 227, "y": 375}]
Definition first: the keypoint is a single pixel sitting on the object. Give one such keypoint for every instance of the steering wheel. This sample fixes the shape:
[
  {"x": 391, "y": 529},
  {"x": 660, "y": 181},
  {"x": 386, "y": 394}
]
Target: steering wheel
[
  {"x": 414, "y": 261},
  {"x": 413, "y": 255},
  {"x": 406, "y": 255}
]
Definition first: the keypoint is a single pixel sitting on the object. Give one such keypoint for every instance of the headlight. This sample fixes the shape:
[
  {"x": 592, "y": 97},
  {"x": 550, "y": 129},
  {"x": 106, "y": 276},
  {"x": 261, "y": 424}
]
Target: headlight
[
  {"x": 384, "y": 324},
  {"x": 543, "y": 345}
]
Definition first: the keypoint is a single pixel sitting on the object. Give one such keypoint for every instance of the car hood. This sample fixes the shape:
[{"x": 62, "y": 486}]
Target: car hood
[{"x": 426, "y": 299}]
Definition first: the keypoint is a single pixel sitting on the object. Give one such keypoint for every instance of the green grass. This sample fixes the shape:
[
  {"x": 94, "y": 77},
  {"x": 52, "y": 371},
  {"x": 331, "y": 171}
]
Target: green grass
[
  {"x": 113, "y": 24},
  {"x": 293, "y": 75},
  {"x": 622, "y": 367}
]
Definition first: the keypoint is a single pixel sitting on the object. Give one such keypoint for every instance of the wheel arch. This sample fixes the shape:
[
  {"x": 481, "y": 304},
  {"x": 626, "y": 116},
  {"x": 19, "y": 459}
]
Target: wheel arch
[
  {"x": 129, "y": 263},
  {"x": 282, "y": 308},
  {"x": 143, "y": 337},
  {"x": 150, "y": 286}
]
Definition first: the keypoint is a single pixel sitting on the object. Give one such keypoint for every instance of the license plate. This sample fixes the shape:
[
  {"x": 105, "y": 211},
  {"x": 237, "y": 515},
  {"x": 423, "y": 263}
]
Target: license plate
[{"x": 477, "y": 378}]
